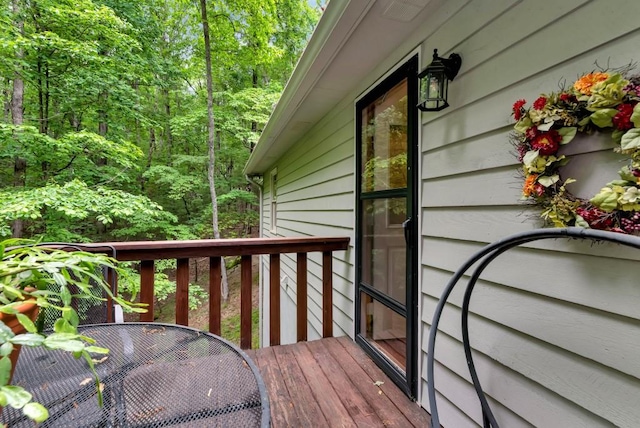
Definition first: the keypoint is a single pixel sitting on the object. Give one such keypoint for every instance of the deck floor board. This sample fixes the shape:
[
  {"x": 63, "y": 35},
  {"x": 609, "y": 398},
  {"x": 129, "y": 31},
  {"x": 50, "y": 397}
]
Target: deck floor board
[{"x": 332, "y": 382}]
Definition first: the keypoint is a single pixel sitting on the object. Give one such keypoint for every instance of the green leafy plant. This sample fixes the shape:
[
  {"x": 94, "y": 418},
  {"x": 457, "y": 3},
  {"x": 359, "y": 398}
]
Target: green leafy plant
[{"x": 50, "y": 278}]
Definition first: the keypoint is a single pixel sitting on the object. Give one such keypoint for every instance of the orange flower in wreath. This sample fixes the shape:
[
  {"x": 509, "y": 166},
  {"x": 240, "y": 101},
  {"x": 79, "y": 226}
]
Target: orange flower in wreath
[
  {"x": 529, "y": 185},
  {"x": 586, "y": 82}
]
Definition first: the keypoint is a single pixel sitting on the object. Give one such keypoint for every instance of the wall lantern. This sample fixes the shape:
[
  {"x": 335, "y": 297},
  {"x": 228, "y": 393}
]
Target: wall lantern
[{"x": 434, "y": 81}]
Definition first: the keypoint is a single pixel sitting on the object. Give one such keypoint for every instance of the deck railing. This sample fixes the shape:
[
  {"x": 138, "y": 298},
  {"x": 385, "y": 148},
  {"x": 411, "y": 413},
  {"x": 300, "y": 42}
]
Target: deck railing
[{"x": 147, "y": 252}]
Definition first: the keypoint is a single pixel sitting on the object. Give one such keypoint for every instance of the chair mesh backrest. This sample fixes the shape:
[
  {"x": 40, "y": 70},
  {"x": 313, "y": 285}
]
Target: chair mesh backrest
[{"x": 90, "y": 311}]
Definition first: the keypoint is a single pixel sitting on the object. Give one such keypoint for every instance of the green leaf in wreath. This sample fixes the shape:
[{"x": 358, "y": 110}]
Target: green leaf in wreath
[
  {"x": 626, "y": 174},
  {"x": 635, "y": 116},
  {"x": 606, "y": 199},
  {"x": 631, "y": 139},
  {"x": 522, "y": 125},
  {"x": 548, "y": 181},
  {"x": 36, "y": 412},
  {"x": 581, "y": 222},
  {"x": 584, "y": 121},
  {"x": 567, "y": 133},
  {"x": 603, "y": 118},
  {"x": 616, "y": 136},
  {"x": 617, "y": 183}
]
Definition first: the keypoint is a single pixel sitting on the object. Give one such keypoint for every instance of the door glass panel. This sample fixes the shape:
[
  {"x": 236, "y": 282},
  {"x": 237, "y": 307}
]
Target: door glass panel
[
  {"x": 384, "y": 141},
  {"x": 383, "y": 241},
  {"x": 384, "y": 329}
]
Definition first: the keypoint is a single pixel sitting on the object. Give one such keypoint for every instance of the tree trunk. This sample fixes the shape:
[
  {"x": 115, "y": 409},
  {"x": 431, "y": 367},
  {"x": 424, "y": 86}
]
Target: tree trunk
[
  {"x": 103, "y": 127},
  {"x": 135, "y": 86},
  {"x": 254, "y": 124},
  {"x": 6, "y": 99},
  {"x": 17, "y": 104},
  {"x": 152, "y": 149},
  {"x": 211, "y": 140},
  {"x": 167, "y": 112}
]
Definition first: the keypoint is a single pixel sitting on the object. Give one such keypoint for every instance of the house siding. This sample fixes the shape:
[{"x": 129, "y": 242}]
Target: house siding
[
  {"x": 315, "y": 198},
  {"x": 554, "y": 325}
]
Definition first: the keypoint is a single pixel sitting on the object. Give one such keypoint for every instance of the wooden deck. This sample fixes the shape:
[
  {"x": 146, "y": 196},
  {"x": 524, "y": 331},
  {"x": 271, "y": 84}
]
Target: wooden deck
[{"x": 332, "y": 382}]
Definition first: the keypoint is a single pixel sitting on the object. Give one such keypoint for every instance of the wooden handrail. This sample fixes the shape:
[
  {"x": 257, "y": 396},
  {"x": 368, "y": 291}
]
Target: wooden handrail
[
  {"x": 157, "y": 250},
  {"x": 148, "y": 251}
]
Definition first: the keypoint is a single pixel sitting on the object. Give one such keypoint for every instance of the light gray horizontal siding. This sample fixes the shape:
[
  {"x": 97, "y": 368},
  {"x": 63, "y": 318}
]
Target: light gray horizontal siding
[
  {"x": 554, "y": 325},
  {"x": 315, "y": 198}
]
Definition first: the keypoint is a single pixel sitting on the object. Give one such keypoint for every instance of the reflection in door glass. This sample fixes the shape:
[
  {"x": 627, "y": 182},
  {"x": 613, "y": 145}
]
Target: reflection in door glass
[
  {"x": 384, "y": 141},
  {"x": 383, "y": 240},
  {"x": 384, "y": 329}
]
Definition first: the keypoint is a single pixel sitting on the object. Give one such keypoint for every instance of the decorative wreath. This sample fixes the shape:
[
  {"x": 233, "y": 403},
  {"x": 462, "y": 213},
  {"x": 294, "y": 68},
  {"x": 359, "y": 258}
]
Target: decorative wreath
[{"x": 596, "y": 102}]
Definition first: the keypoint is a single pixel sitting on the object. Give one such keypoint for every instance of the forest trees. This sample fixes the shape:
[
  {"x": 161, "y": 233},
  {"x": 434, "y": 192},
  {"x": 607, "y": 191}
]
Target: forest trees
[{"x": 103, "y": 132}]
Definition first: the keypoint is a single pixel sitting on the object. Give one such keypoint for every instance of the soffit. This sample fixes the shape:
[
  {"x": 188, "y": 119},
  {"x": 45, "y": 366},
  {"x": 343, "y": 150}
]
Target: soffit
[{"x": 352, "y": 38}]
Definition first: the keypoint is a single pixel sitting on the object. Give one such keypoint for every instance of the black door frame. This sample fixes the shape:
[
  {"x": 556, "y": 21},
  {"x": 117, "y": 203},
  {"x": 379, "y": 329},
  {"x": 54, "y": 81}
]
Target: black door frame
[{"x": 408, "y": 384}]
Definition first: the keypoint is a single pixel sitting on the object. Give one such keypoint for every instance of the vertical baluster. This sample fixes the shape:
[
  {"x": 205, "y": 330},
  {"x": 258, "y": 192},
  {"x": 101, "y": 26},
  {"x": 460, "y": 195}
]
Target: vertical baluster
[
  {"x": 215, "y": 294},
  {"x": 327, "y": 294},
  {"x": 182, "y": 292},
  {"x": 146, "y": 289},
  {"x": 111, "y": 279},
  {"x": 274, "y": 299},
  {"x": 301, "y": 280},
  {"x": 245, "y": 302}
]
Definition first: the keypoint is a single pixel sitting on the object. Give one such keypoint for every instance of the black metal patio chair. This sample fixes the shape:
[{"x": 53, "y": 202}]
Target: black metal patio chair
[{"x": 483, "y": 258}]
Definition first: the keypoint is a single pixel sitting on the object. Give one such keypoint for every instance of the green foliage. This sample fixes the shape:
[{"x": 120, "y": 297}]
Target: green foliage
[
  {"x": 129, "y": 284},
  {"x": 72, "y": 202},
  {"x": 49, "y": 278},
  {"x": 114, "y": 107}
]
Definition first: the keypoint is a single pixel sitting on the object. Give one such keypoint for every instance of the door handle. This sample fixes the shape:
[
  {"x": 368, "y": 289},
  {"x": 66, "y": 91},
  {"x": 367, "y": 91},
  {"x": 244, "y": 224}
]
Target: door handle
[{"x": 406, "y": 226}]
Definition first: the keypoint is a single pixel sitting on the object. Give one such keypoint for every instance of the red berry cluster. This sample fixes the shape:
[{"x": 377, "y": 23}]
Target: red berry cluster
[
  {"x": 596, "y": 218},
  {"x": 568, "y": 98},
  {"x": 631, "y": 225}
]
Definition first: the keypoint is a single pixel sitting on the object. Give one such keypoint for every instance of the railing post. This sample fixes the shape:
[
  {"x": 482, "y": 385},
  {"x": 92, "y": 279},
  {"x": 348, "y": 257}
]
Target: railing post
[
  {"x": 327, "y": 294},
  {"x": 215, "y": 298},
  {"x": 245, "y": 303},
  {"x": 274, "y": 299},
  {"x": 182, "y": 292},
  {"x": 146, "y": 289},
  {"x": 301, "y": 280}
]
